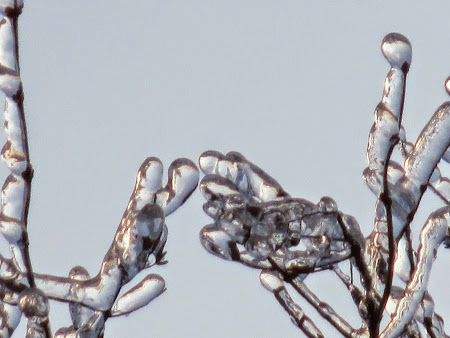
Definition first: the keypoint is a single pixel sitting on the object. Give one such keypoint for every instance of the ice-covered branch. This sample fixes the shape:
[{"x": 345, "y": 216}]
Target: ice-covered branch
[
  {"x": 383, "y": 137},
  {"x": 260, "y": 225},
  {"x": 138, "y": 243},
  {"x": 435, "y": 231},
  {"x": 275, "y": 285},
  {"x": 16, "y": 189}
]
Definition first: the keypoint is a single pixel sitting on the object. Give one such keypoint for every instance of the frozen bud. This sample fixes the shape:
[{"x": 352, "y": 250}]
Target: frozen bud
[
  {"x": 78, "y": 313},
  {"x": 213, "y": 187},
  {"x": 183, "y": 178},
  {"x": 150, "y": 174},
  {"x": 219, "y": 243},
  {"x": 209, "y": 160},
  {"x": 353, "y": 229},
  {"x": 11, "y": 8},
  {"x": 139, "y": 296},
  {"x": 66, "y": 332},
  {"x": 34, "y": 303},
  {"x": 78, "y": 273},
  {"x": 9, "y": 82},
  {"x": 150, "y": 222},
  {"x": 271, "y": 281},
  {"x": 327, "y": 204},
  {"x": 397, "y": 50}
]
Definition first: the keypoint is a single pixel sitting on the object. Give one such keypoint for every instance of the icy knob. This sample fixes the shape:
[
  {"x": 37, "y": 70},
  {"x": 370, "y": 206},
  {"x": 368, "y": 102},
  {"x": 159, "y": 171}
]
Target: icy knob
[
  {"x": 34, "y": 303},
  {"x": 140, "y": 295},
  {"x": 397, "y": 50},
  {"x": 447, "y": 85},
  {"x": 219, "y": 243},
  {"x": 271, "y": 281},
  {"x": 327, "y": 204}
]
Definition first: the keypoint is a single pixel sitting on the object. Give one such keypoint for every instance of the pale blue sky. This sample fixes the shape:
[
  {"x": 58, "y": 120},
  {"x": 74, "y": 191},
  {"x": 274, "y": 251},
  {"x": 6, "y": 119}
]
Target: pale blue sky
[{"x": 291, "y": 85}]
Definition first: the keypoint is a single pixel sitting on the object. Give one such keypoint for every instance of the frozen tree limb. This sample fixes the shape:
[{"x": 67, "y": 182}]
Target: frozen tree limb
[
  {"x": 435, "y": 231},
  {"x": 275, "y": 285},
  {"x": 138, "y": 243},
  {"x": 16, "y": 189},
  {"x": 259, "y": 225},
  {"x": 255, "y": 218}
]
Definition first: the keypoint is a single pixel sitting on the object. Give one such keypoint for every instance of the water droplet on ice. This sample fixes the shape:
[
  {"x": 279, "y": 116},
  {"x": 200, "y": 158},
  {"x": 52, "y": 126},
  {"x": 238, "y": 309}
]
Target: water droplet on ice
[
  {"x": 397, "y": 50},
  {"x": 327, "y": 204},
  {"x": 447, "y": 85}
]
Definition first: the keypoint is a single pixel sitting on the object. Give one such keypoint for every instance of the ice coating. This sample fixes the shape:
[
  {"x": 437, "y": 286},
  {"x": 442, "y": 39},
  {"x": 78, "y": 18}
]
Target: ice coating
[
  {"x": 9, "y": 76},
  {"x": 183, "y": 179},
  {"x": 327, "y": 204},
  {"x": 218, "y": 243},
  {"x": 265, "y": 223},
  {"x": 34, "y": 305},
  {"x": 79, "y": 314},
  {"x": 139, "y": 296},
  {"x": 10, "y": 6},
  {"x": 138, "y": 244},
  {"x": 397, "y": 50},
  {"x": 16, "y": 189},
  {"x": 433, "y": 234},
  {"x": 258, "y": 224},
  {"x": 270, "y": 281},
  {"x": 430, "y": 146},
  {"x": 447, "y": 85}
]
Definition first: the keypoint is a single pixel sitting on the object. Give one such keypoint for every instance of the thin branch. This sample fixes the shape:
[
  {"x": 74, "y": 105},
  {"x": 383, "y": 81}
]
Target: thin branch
[
  {"x": 271, "y": 281},
  {"x": 324, "y": 309}
]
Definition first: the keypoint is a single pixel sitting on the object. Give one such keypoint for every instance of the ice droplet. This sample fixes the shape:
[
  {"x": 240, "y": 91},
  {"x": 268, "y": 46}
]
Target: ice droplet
[
  {"x": 34, "y": 303},
  {"x": 327, "y": 204},
  {"x": 447, "y": 85},
  {"x": 270, "y": 281},
  {"x": 219, "y": 243},
  {"x": 397, "y": 50},
  {"x": 208, "y": 161},
  {"x": 79, "y": 314}
]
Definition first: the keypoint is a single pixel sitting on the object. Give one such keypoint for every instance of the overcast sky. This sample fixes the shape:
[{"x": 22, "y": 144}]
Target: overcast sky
[{"x": 292, "y": 85}]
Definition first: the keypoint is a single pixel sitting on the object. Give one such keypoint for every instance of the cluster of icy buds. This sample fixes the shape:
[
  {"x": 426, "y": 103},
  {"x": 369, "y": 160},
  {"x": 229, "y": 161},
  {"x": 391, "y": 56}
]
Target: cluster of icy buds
[{"x": 259, "y": 224}]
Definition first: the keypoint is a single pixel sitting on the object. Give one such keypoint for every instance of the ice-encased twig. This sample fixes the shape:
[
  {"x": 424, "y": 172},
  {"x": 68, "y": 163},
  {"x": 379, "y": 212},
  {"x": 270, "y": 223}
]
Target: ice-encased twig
[
  {"x": 440, "y": 185},
  {"x": 274, "y": 284},
  {"x": 34, "y": 305},
  {"x": 255, "y": 217},
  {"x": 138, "y": 244},
  {"x": 259, "y": 225},
  {"x": 383, "y": 137},
  {"x": 16, "y": 189},
  {"x": 435, "y": 231},
  {"x": 400, "y": 188},
  {"x": 324, "y": 309},
  {"x": 237, "y": 202}
]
